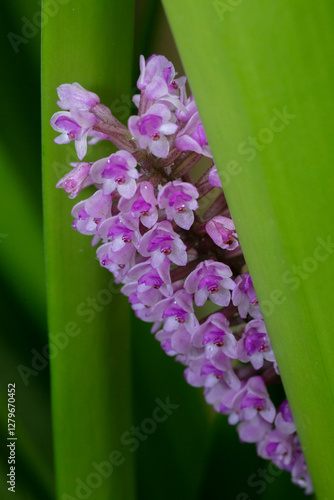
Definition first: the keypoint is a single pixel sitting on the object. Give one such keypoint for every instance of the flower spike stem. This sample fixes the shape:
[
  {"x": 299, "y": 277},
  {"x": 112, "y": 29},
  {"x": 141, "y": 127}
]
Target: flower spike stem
[{"x": 145, "y": 218}]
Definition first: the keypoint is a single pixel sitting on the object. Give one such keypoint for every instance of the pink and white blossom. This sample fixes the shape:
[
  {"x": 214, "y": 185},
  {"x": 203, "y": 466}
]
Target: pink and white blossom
[
  {"x": 210, "y": 280},
  {"x": 143, "y": 204},
  {"x": 116, "y": 173},
  {"x": 222, "y": 231},
  {"x": 152, "y": 129},
  {"x": 178, "y": 199}
]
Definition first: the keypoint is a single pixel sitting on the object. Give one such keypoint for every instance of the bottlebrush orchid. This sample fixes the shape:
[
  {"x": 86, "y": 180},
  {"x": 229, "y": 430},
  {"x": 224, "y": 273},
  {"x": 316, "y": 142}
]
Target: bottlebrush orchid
[{"x": 173, "y": 256}]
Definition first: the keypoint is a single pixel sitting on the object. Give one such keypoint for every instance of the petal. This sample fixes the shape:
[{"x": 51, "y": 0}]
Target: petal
[
  {"x": 221, "y": 298},
  {"x": 168, "y": 128},
  {"x": 160, "y": 148},
  {"x": 81, "y": 147},
  {"x": 62, "y": 139},
  {"x": 184, "y": 220},
  {"x": 186, "y": 143},
  {"x": 128, "y": 189},
  {"x": 201, "y": 297}
]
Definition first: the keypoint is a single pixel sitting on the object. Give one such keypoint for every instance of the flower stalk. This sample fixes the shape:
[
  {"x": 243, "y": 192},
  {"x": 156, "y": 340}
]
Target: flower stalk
[{"x": 168, "y": 264}]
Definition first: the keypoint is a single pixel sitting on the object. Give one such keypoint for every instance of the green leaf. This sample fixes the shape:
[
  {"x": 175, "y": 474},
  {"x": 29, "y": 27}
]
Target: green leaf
[
  {"x": 262, "y": 77},
  {"x": 89, "y": 43}
]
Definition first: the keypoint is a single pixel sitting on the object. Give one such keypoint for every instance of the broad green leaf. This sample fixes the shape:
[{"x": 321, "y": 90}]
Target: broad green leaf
[
  {"x": 89, "y": 43},
  {"x": 262, "y": 76}
]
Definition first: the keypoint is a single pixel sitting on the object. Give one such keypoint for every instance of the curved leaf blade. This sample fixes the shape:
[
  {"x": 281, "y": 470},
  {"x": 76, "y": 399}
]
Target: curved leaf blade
[{"x": 263, "y": 84}]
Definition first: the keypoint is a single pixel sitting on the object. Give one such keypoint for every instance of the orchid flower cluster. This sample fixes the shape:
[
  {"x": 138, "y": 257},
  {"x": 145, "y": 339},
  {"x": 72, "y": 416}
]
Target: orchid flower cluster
[{"x": 171, "y": 242}]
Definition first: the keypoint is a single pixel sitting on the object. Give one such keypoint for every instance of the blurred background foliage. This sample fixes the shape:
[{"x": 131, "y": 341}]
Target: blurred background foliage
[{"x": 195, "y": 454}]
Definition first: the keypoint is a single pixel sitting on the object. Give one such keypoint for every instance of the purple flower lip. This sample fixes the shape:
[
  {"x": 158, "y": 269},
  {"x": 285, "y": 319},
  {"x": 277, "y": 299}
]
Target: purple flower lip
[
  {"x": 69, "y": 125},
  {"x": 158, "y": 242},
  {"x": 180, "y": 314},
  {"x": 113, "y": 169},
  {"x": 214, "y": 336},
  {"x": 207, "y": 369},
  {"x": 179, "y": 194},
  {"x": 151, "y": 279},
  {"x": 149, "y": 124},
  {"x": 256, "y": 402},
  {"x": 83, "y": 214},
  {"x": 210, "y": 282},
  {"x": 140, "y": 205},
  {"x": 271, "y": 448},
  {"x": 255, "y": 342}
]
